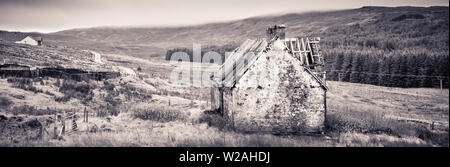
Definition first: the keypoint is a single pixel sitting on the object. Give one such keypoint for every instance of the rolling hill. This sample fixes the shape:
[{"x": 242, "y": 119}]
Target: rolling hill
[
  {"x": 388, "y": 44},
  {"x": 334, "y": 27},
  {"x": 148, "y": 111}
]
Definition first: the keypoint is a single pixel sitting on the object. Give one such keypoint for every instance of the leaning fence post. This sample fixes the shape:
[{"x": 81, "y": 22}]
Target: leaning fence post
[
  {"x": 63, "y": 124},
  {"x": 84, "y": 114},
  {"x": 74, "y": 124},
  {"x": 41, "y": 132},
  {"x": 55, "y": 127},
  {"x": 87, "y": 115}
]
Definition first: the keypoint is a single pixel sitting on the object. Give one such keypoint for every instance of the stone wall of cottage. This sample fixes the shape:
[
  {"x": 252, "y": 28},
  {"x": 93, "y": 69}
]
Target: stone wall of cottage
[{"x": 286, "y": 100}]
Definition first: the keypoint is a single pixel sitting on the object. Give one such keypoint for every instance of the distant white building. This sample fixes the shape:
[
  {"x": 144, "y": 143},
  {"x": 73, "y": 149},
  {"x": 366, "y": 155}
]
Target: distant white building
[{"x": 35, "y": 41}]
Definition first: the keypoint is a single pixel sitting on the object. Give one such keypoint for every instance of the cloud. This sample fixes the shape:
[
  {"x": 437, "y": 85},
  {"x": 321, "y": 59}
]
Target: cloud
[{"x": 53, "y": 15}]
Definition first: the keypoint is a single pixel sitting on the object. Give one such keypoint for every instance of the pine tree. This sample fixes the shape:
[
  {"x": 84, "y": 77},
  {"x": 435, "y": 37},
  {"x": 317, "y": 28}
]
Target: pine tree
[
  {"x": 356, "y": 69},
  {"x": 385, "y": 71},
  {"x": 337, "y": 64},
  {"x": 347, "y": 65},
  {"x": 373, "y": 65},
  {"x": 426, "y": 69},
  {"x": 412, "y": 70},
  {"x": 444, "y": 70}
]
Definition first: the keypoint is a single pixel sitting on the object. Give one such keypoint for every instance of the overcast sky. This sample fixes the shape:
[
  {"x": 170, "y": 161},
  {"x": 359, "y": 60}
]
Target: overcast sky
[{"x": 55, "y": 15}]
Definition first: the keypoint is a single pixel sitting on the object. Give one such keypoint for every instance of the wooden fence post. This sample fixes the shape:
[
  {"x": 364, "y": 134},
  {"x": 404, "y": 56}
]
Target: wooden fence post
[
  {"x": 41, "y": 132},
  {"x": 63, "y": 125},
  {"x": 74, "y": 124},
  {"x": 207, "y": 102},
  {"x": 213, "y": 100},
  {"x": 55, "y": 127},
  {"x": 86, "y": 115}
]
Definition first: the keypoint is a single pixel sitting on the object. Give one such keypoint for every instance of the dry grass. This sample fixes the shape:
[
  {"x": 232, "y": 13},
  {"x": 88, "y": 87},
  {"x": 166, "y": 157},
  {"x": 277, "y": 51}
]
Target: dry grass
[
  {"x": 358, "y": 116},
  {"x": 157, "y": 112},
  {"x": 397, "y": 112},
  {"x": 379, "y": 140},
  {"x": 23, "y": 83},
  {"x": 415, "y": 103},
  {"x": 181, "y": 134}
]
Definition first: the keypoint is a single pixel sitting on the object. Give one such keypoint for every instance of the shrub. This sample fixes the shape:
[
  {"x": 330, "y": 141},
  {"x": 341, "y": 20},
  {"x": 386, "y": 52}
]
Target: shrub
[
  {"x": 5, "y": 102},
  {"x": 23, "y": 83},
  {"x": 31, "y": 110},
  {"x": 388, "y": 45},
  {"x": 441, "y": 139},
  {"x": 132, "y": 92},
  {"x": 49, "y": 93},
  {"x": 65, "y": 98},
  {"x": 108, "y": 86},
  {"x": 18, "y": 96},
  {"x": 157, "y": 112},
  {"x": 366, "y": 122},
  {"x": 72, "y": 89},
  {"x": 372, "y": 123},
  {"x": 215, "y": 119}
]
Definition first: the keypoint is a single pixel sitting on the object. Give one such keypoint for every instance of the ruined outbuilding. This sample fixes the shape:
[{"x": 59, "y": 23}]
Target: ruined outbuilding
[
  {"x": 273, "y": 85},
  {"x": 29, "y": 40}
]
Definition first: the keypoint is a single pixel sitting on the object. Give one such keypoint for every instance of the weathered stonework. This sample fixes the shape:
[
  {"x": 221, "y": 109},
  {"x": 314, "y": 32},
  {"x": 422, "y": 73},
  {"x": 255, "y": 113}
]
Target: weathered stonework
[{"x": 288, "y": 100}]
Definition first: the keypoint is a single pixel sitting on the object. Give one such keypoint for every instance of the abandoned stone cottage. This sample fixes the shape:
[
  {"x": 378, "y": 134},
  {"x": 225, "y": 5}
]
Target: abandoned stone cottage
[
  {"x": 29, "y": 40},
  {"x": 273, "y": 85}
]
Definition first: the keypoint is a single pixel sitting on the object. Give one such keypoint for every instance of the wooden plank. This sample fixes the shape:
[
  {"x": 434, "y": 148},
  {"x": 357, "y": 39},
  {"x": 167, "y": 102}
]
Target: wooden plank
[
  {"x": 300, "y": 57},
  {"x": 256, "y": 46},
  {"x": 286, "y": 44},
  {"x": 292, "y": 46},
  {"x": 306, "y": 54},
  {"x": 251, "y": 58},
  {"x": 229, "y": 67},
  {"x": 213, "y": 98},
  {"x": 309, "y": 48}
]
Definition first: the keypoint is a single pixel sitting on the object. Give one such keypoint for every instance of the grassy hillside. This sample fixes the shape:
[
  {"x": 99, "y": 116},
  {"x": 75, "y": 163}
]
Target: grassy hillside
[
  {"x": 147, "y": 111},
  {"x": 388, "y": 46},
  {"x": 408, "y": 26},
  {"x": 334, "y": 27},
  {"x": 50, "y": 56},
  {"x": 154, "y": 118}
]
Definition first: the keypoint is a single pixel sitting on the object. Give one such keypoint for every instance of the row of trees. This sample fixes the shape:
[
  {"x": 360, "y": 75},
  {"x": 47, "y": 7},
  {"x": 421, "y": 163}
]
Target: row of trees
[
  {"x": 219, "y": 49},
  {"x": 409, "y": 49},
  {"x": 413, "y": 67},
  {"x": 407, "y": 68},
  {"x": 399, "y": 49}
]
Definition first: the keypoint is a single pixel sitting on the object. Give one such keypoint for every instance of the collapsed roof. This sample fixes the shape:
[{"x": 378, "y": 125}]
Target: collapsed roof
[{"x": 242, "y": 58}]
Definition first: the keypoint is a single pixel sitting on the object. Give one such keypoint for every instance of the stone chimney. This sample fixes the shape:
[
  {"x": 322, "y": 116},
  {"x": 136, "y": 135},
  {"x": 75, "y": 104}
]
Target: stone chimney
[{"x": 276, "y": 32}]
